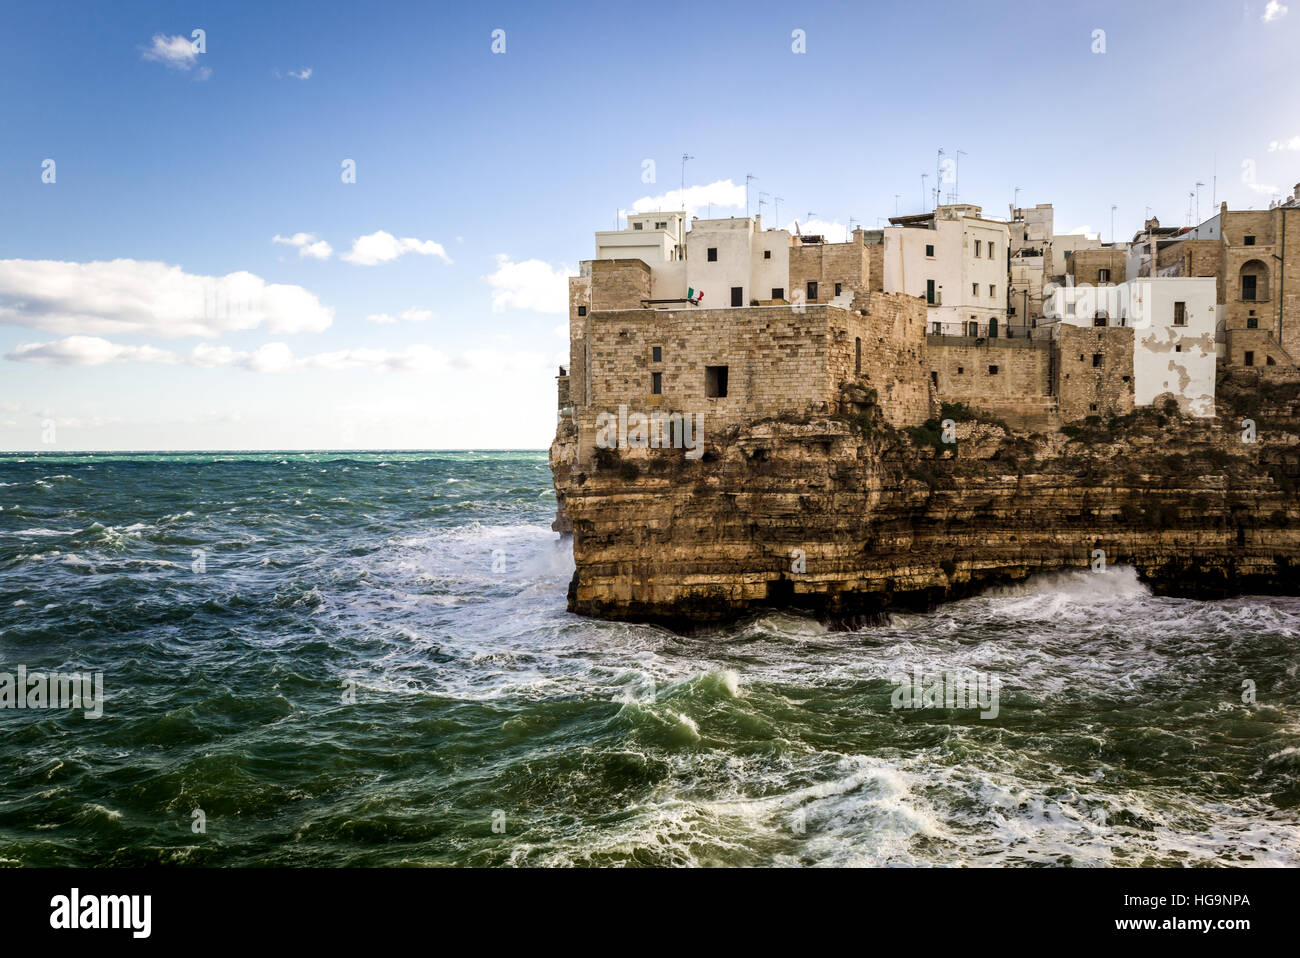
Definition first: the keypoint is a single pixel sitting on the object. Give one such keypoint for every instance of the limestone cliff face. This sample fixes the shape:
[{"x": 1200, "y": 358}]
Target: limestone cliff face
[{"x": 850, "y": 518}]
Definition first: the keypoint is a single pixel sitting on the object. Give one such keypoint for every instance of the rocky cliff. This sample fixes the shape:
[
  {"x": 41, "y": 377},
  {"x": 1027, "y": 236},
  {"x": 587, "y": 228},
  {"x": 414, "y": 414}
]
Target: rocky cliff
[{"x": 848, "y": 517}]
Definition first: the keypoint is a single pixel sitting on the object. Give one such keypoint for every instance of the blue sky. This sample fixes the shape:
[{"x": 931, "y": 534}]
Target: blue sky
[{"x": 484, "y": 176}]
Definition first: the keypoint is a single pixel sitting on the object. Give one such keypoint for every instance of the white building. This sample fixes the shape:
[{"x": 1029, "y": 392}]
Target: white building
[
  {"x": 1173, "y": 321},
  {"x": 957, "y": 261},
  {"x": 731, "y": 261}
]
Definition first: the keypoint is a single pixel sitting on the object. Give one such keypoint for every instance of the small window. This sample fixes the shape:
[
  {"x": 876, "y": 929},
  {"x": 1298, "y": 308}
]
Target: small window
[
  {"x": 1178, "y": 349},
  {"x": 656, "y": 354},
  {"x": 1069, "y": 309},
  {"x": 712, "y": 256},
  {"x": 1092, "y": 407},
  {"x": 767, "y": 254},
  {"x": 1248, "y": 241},
  {"x": 838, "y": 287},
  {"x": 1248, "y": 288},
  {"x": 961, "y": 371},
  {"x": 812, "y": 290},
  {"x": 978, "y": 247},
  {"x": 582, "y": 310},
  {"x": 1099, "y": 319},
  {"x": 974, "y": 289},
  {"x": 636, "y": 226},
  {"x": 715, "y": 382},
  {"x": 737, "y": 296},
  {"x": 993, "y": 290},
  {"x": 1252, "y": 322},
  {"x": 656, "y": 384},
  {"x": 1096, "y": 360},
  {"x": 1180, "y": 314},
  {"x": 929, "y": 291},
  {"x": 778, "y": 292},
  {"x": 1250, "y": 358},
  {"x": 934, "y": 377},
  {"x": 929, "y": 250},
  {"x": 990, "y": 250},
  {"x": 993, "y": 370},
  {"x": 857, "y": 355},
  {"x": 1125, "y": 378},
  {"x": 661, "y": 226}
]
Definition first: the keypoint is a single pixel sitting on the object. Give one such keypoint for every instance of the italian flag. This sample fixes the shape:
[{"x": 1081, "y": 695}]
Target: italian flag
[{"x": 694, "y": 295}]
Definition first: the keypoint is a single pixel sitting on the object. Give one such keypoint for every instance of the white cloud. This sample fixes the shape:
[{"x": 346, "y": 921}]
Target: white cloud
[
  {"x": 268, "y": 358},
  {"x": 1291, "y": 144},
  {"x": 88, "y": 351},
  {"x": 308, "y": 245},
  {"x": 721, "y": 193},
  {"x": 833, "y": 231},
  {"x": 149, "y": 298},
  {"x": 531, "y": 284},
  {"x": 279, "y": 358},
  {"x": 304, "y": 74},
  {"x": 383, "y": 247},
  {"x": 175, "y": 52},
  {"x": 411, "y": 315},
  {"x": 1274, "y": 11},
  {"x": 1084, "y": 230}
]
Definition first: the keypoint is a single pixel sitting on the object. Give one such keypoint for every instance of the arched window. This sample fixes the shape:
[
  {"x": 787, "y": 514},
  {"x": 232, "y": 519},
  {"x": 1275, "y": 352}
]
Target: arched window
[{"x": 1254, "y": 281}]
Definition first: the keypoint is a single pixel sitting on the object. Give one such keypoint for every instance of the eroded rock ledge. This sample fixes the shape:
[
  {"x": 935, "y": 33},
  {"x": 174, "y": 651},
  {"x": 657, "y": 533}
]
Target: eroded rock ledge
[{"x": 890, "y": 519}]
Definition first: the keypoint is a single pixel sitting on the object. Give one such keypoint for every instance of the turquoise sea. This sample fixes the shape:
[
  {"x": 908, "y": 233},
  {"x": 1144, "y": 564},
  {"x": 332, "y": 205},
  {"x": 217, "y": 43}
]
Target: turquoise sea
[{"x": 365, "y": 659}]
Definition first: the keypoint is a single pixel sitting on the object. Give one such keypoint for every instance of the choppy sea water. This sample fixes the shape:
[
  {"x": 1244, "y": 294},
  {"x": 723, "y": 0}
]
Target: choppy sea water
[{"x": 491, "y": 727}]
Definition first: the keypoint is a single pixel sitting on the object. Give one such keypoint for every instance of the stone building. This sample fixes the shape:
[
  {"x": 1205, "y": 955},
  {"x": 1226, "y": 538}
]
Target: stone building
[
  {"x": 1254, "y": 258},
  {"x": 1166, "y": 347},
  {"x": 804, "y": 326},
  {"x": 1100, "y": 266}
]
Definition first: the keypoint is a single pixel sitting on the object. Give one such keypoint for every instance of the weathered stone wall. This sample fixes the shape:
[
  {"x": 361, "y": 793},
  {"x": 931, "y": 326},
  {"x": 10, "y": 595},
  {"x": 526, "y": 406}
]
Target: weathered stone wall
[
  {"x": 579, "y": 309},
  {"x": 849, "y": 264},
  {"x": 1085, "y": 389},
  {"x": 890, "y": 328},
  {"x": 1019, "y": 392},
  {"x": 1283, "y": 278},
  {"x": 619, "y": 283},
  {"x": 1085, "y": 264},
  {"x": 1191, "y": 258},
  {"x": 780, "y": 360}
]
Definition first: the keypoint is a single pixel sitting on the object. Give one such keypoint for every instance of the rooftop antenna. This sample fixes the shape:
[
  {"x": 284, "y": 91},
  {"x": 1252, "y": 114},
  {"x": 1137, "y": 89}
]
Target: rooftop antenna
[
  {"x": 938, "y": 174},
  {"x": 1191, "y": 198},
  {"x": 1015, "y": 202},
  {"x": 748, "y": 178},
  {"x": 896, "y": 197},
  {"x": 681, "y": 226},
  {"x": 1199, "y": 184},
  {"x": 761, "y": 201},
  {"x": 1113, "y": 208},
  {"x": 956, "y": 186}
]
